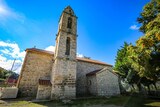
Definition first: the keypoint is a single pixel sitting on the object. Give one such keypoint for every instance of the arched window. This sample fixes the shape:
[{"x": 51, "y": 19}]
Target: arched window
[
  {"x": 69, "y": 24},
  {"x": 68, "y": 46}
]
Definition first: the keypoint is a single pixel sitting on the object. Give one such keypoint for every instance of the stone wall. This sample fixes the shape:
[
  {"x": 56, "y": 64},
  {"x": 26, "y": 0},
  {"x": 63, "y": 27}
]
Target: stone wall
[
  {"x": 61, "y": 46},
  {"x": 64, "y": 68},
  {"x": 64, "y": 21},
  {"x": 63, "y": 79},
  {"x": 82, "y": 69},
  {"x": 36, "y": 65},
  {"x": 8, "y": 92},
  {"x": 107, "y": 83},
  {"x": 92, "y": 85},
  {"x": 44, "y": 92}
]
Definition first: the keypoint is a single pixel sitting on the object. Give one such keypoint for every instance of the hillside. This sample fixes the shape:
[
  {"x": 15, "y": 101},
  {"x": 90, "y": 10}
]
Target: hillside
[{"x": 6, "y": 73}]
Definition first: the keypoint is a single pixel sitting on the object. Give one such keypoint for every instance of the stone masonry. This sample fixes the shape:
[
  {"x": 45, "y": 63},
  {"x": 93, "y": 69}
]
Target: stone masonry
[
  {"x": 44, "y": 92},
  {"x": 103, "y": 82},
  {"x": 107, "y": 83},
  {"x": 82, "y": 69},
  {"x": 62, "y": 75},
  {"x": 36, "y": 64}
]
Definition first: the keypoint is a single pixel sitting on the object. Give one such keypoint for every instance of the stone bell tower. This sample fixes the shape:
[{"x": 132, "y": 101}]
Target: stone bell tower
[{"x": 63, "y": 75}]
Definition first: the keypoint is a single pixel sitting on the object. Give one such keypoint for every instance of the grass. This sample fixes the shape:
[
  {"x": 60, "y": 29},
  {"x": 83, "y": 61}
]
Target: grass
[
  {"x": 118, "y": 100},
  {"x": 20, "y": 104},
  {"x": 124, "y": 101},
  {"x": 152, "y": 103}
]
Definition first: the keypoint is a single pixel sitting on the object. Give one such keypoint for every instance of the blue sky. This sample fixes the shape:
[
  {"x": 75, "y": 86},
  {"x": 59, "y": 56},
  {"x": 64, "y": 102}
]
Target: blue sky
[{"x": 103, "y": 26}]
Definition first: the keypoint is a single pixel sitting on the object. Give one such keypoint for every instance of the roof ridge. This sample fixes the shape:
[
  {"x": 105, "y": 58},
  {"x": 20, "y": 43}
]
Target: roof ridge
[
  {"x": 78, "y": 58},
  {"x": 93, "y": 72}
]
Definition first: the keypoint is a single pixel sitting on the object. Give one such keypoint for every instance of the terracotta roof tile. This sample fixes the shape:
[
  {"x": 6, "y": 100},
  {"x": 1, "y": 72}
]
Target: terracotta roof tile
[
  {"x": 93, "y": 72},
  {"x": 97, "y": 71},
  {"x": 92, "y": 61},
  {"x": 40, "y": 50},
  {"x": 78, "y": 58}
]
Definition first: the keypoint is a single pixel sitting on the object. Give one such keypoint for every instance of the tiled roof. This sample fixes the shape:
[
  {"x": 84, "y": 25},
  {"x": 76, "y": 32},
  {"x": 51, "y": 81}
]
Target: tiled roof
[
  {"x": 40, "y": 50},
  {"x": 78, "y": 58},
  {"x": 92, "y": 61},
  {"x": 99, "y": 70},
  {"x": 93, "y": 72}
]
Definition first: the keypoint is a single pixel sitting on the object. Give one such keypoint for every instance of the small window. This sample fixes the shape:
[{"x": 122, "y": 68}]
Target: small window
[
  {"x": 69, "y": 25},
  {"x": 68, "y": 46}
]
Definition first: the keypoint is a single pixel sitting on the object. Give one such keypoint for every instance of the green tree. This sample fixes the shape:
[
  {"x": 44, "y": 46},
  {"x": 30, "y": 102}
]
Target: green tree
[
  {"x": 2, "y": 73},
  {"x": 5, "y": 73},
  {"x": 124, "y": 65},
  {"x": 148, "y": 14},
  {"x": 144, "y": 57},
  {"x": 149, "y": 46},
  {"x": 140, "y": 64},
  {"x": 121, "y": 62}
]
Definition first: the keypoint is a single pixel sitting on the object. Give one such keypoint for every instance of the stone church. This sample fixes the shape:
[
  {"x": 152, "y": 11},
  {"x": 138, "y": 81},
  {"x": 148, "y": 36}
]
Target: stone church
[{"x": 60, "y": 75}]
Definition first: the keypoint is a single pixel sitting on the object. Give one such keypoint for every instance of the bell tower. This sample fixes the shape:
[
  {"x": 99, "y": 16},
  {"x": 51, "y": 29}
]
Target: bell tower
[{"x": 63, "y": 75}]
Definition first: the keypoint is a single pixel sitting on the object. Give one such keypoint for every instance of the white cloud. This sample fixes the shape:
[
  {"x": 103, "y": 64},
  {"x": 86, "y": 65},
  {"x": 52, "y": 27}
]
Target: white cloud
[
  {"x": 80, "y": 55},
  {"x": 134, "y": 27},
  {"x": 2, "y": 58},
  {"x": 8, "y": 52},
  {"x": 14, "y": 22},
  {"x": 8, "y": 13},
  {"x": 50, "y": 48},
  {"x": 4, "y": 11},
  {"x": 7, "y": 64},
  {"x": 11, "y": 49}
]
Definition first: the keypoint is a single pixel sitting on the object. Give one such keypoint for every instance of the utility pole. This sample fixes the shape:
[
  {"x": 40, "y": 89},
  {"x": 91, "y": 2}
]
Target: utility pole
[
  {"x": 13, "y": 64},
  {"x": 11, "y": 69}
]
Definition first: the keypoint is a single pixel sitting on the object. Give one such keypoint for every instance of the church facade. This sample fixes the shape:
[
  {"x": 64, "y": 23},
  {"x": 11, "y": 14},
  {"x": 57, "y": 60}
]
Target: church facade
[{"x": 60, "y": 75}]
